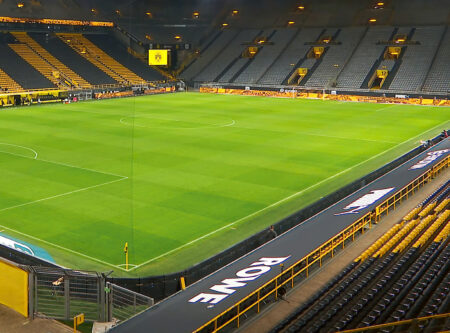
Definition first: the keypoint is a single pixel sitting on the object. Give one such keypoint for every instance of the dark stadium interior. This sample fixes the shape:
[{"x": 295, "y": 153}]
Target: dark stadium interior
[{"x": 393, "y": 51}]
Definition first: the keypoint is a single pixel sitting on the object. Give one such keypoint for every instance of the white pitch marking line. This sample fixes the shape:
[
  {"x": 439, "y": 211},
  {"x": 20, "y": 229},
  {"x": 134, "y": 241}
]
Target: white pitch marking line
[
  {"x": 66, "y": 165},
  {"x": 62, "y": 194},
  {"x": 283, "y": 200},
  {"x": 343, "y": 138},
  {"x": 27, "y": 148},
  {"x": 120, "y": 265},
  {"x": 122, "y": 121},
  {"x": 62, "y": 248}
]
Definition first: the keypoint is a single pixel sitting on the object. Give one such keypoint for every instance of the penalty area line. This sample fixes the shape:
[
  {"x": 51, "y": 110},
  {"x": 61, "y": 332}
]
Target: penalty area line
[
  {"x": 275, "y": 204},
  {"x": 62, "y": 248},
  {"x": 62, "y": 194}
]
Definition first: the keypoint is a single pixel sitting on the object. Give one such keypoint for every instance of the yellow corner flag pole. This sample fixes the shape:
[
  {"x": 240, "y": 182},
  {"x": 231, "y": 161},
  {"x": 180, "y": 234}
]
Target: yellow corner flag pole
[{"x": 125, "y": 249}]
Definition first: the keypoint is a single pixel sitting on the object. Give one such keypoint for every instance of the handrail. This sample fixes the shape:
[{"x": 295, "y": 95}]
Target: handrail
[
  {"x": 397, "y": 323},
  {"x": 319, "y": 253}
]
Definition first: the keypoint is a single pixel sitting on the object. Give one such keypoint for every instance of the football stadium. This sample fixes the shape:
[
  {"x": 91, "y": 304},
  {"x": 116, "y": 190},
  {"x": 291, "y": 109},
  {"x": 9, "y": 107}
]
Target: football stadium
[{"x": 224, "y": 166}]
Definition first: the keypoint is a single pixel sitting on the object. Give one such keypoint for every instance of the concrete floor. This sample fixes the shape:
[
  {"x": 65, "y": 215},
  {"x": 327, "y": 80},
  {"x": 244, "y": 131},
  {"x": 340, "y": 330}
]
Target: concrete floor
[
  {"x": 276, "y": 312},
  {"x": 13, "y": 322}
]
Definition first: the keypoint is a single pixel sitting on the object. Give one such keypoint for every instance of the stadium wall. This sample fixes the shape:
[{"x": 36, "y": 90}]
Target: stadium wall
[
  {"x": 162, "y": 286},
  {"x": 14, "y": 287}
]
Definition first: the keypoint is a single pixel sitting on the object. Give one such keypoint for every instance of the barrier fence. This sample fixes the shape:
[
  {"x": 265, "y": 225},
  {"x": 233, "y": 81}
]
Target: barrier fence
[
  {"x": 63, "y": 294},
  {"x": 277, "y": 287}
]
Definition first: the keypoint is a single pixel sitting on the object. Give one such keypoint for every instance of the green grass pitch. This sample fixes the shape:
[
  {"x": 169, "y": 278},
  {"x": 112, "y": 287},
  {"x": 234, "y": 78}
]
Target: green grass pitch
[{"x": 183, "y": 176}]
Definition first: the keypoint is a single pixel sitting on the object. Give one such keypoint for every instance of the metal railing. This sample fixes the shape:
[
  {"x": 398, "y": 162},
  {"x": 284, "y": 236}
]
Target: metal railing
[
  {"x": 299, "y": 271},
  {"x": 414, "y": 324},
  {"x": 124, "y": 304},
  {"x": 63, "y": 294}
]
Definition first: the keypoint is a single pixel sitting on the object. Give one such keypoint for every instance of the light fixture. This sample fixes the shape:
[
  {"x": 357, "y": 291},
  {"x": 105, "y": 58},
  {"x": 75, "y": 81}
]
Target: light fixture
[
  {"x": 149, "y": 14},
  {"x": 20, "y": 4},
  {"x": 224, "y": 25},
  {"x": 291, "y": 22},
  {"x": 372, "y": 20},
  {"x": 195, "y": 15},
  {"x": 301, "y": 7},
  {"x": 234, "y": 12}
]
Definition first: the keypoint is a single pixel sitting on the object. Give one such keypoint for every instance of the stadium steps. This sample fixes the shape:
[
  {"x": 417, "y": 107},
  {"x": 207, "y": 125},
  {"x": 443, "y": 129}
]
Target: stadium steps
[
  {"x": 208, "y": 56},
  {"x": 36, "y": 61},
  {"x": 293, "y": 55},
  {"x": 20, "y": 70},
  {"x": 75, "y": 79},
  {"x": 267, "y": 55},
  {"x": 436, "y": 51},
  {"x": 72, "y": 59},
  {"x": 99, "y": 58},
  {"x": 186, "y": 64},
  {"x": 8, "y": 84},
  {"x": 369, "y": 287},
  {"x": 294, "y": 36},
  {"x": 118, "y": 52},
  {"x": 240, "y": 76},
  {"x": 376, "y": 65},
  {"x": 417, "y": 59},
  {"x": 437, "y": 77},
  {"x": 227, "y": 55}
]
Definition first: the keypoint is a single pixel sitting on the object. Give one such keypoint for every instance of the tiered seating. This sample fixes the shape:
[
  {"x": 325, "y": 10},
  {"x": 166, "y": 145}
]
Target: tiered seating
[
  {"x": 20, "y": 70},
  {"x": 226, "y": 56},
  {"x": 36, "y": 61},
  {"x": 364, "y": 58},
  {"x": 417, "y": 59},
  {"x": 122, "y": 56},
  {"x": 72, "y": 59},
  {"x": 290, "y": 57},
  {"x": 210, "y": 51},
  {"x": 100, "y": 59},
  {"x": 437, "y": 79},
  {"x": 266, "y": 56},
  {"x": 399, "y": 277},
  {"x": 335, "y": 58},
  {"x": 75, "y": 79},
  {"x": 7, "y": 84}
]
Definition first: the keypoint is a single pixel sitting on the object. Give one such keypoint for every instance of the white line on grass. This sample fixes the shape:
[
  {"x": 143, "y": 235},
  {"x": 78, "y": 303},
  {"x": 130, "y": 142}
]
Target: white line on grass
[
  {"x": 55, "y": 245},
  {"x": 283, "y": 200},
  {"x": 343, "y": 138},
  {"x": 62, "y": 194},
  {"x": 23, "y": 147},
  {"x": 62, "y": 248},
  {"x": 65, "y": 164}
]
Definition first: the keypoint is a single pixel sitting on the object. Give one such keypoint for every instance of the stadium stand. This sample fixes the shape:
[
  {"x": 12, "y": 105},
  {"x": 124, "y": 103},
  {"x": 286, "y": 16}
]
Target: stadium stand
[
  {"x": 417, "y": 59},
  {"x": 74, "y": 79},
  {"x": 229, "y": 61},
  {"x": 72, "y": 59},
  {"x": 401, "y": 276},
  {"x": 209, "y": 52},
  {"x": 115, "y": 50},
  {"x": 100, "y": 59},
  {"x": 20, "y": 70},
  {"x": 8, "y": 84},
  {"x": 291, "y": 57},
  {"x": 437, "y": 79},
  {"x": 364, "y": 58},
  {"x": 266, "y": 56},
  {"x": 336, "y": 57}
]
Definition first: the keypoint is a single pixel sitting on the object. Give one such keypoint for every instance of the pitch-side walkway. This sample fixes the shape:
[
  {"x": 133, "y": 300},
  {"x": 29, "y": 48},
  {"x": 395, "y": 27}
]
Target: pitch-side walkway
[
  {"x": 12, "y": 322},
  {"x": 280, "y": 310}
]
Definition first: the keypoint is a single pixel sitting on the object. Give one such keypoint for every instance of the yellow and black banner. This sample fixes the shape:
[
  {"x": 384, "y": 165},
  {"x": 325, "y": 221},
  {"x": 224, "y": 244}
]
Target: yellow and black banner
[{"x": 158, "y": 57}]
